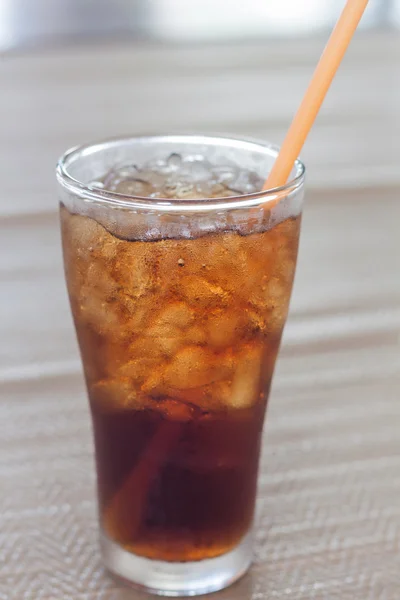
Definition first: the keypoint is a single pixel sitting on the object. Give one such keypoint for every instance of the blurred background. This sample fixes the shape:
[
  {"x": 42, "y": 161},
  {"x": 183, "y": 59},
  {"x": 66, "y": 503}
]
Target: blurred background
[
  {"x": 42, "y": 22},
  {"x": 72, "y": 71}
]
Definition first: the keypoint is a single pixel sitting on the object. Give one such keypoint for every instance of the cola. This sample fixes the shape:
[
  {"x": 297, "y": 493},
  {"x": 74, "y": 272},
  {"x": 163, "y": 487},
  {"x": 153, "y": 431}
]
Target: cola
[{"x": 179, "y": 330}]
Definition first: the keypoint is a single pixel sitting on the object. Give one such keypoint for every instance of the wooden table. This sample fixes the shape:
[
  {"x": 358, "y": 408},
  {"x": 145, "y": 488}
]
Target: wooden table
[{"x": 328, "y": 512}]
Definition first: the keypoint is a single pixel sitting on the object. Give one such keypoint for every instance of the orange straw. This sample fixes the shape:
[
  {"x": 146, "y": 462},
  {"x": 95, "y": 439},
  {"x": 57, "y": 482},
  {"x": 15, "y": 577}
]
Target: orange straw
[{"x": 316, "y": 92}]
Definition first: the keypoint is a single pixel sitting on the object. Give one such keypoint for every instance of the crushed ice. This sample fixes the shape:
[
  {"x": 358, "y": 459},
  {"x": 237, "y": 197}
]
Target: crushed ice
[{"x": 182, "y": 177}]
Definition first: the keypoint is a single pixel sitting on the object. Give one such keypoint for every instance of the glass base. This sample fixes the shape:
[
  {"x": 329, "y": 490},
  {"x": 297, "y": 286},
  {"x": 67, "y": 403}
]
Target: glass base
[{"x": 177, "y": 578}]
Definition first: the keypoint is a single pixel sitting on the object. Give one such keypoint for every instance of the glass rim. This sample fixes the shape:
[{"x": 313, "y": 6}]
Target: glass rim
[{"x": 133, "y": 202}]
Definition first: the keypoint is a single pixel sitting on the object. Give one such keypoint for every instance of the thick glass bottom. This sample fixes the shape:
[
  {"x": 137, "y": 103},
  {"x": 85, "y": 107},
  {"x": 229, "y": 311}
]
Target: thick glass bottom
[{"x": 177, "y": 578}]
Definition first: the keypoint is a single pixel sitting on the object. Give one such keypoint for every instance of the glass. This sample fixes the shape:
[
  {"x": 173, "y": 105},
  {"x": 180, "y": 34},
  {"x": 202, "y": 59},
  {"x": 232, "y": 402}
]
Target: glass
[{"x": 179, "y": 307}]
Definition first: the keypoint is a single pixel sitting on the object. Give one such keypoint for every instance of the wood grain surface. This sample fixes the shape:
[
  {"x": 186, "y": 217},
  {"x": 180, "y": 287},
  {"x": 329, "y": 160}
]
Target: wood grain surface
[{"x": 328, "y": 524}]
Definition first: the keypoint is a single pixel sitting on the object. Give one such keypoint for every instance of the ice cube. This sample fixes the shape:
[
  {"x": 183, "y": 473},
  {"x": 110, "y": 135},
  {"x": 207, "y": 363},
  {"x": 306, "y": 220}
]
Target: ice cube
[
  {"x": 174, "y": 161},
  {"x": 247, "y": 378},
  {"x": 224, "y": 329},
  {"x": 98, "y": 281},
  {"x": 189, "y": 176},
  {"x": 136, "y": 312},
  {"x": 177, "y": 315},
  {"x": 156, "y": 179},
  {"x": 213, "y": 396},
  {"x": 179, "y": 189},
  {"x": 191, "y": 367},
  {"x": 256, "y": 320},
  {"x": 126, "y": 171},
  {"x": 118, "y": 174},
  {"x": 170, "y": 345},
  {"x": 174, "y": 409},
  {"x": 164, "y": 334},
  {"x": 114, "y": 394},
  {"x": 200, "y": 293},
  {"x": 228, "y": 264},
  {"x": 134, "y": 187},
  {"x": 218, "y": 394},
  {"x": 225, "y": 173},
  {"x": 247, "y": 182},
  {"x": 195, "y": 366},
  {"x": 103, "y": 317},
  {"x": 158, "y": 165},
  {"x": 164, "y": 339},
  {"x": 218, "y": 190},
  {"x": 198, "y": 170},
  {"x": 276, "y": 303},
  {"x": 196, "y": 335},
  {"x": 137, "y": 370},
  {"x": 133, "y": 271},
  {"x": 203, "y": 189},
  {"x": 224, "y": 192}
]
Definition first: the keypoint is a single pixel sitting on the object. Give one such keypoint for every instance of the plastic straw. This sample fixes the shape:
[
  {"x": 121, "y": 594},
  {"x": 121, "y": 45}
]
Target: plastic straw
[{"x": 316, "y": 92}]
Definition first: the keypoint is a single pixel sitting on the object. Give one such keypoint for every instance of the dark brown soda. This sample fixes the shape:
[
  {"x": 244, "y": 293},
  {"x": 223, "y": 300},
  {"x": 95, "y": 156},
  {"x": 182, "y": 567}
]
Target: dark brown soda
[
  {"x": 201, "y": 490},
  {"x": 178, "y": 339}
]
